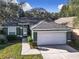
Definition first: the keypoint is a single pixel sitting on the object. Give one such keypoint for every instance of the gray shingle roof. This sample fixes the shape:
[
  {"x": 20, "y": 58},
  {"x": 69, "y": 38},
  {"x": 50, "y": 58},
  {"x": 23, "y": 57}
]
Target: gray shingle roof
[
  {"x": 15, "y": 21},
  {"x": 47, "y": 25}
]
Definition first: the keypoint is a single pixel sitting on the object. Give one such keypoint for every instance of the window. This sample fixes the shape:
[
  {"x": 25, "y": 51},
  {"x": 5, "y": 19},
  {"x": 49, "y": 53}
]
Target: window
[
  {"x": 11, "y": 33},
  {"x": 11, "y": 30}
]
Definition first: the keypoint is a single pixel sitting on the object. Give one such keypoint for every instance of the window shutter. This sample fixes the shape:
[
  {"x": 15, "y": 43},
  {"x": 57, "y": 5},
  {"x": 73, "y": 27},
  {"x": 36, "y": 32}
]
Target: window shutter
[
  {"x": 18, "y": 31},
  {"x": 5, "y": 30},
  {"x": 35, "y": 36},
  {"x": 21, "y": 31}
]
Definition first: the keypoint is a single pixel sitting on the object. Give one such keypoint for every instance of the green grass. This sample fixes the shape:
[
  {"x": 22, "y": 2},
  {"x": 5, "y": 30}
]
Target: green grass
[{"x": 8, "y": 51}]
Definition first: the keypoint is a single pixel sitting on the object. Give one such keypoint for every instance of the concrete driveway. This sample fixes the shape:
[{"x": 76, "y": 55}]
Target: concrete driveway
[{"x": 58, "y": 52}]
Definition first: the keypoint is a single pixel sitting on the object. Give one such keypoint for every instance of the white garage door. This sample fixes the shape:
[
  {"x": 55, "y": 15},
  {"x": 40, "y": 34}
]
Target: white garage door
[{"x": 50, "y": 37}]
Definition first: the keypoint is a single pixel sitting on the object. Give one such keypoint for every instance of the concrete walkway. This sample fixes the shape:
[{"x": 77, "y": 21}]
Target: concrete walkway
[{"x": 26, "y": 49}]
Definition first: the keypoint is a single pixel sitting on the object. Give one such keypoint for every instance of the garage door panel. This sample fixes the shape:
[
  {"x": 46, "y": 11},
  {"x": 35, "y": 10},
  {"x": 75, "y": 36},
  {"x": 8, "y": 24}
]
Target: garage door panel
[{"x": 47, "y": 38}]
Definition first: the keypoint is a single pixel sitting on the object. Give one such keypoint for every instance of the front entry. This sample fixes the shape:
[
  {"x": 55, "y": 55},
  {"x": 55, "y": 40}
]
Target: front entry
[{"x": 24, "y": 31}]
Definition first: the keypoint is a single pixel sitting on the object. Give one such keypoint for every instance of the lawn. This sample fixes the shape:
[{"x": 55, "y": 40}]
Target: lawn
[{"x": 13, "y": 51}]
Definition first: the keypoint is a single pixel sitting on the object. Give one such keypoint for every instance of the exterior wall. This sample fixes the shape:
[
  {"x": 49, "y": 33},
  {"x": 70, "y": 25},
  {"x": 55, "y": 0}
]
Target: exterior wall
[{"x": 32, "y": 34}]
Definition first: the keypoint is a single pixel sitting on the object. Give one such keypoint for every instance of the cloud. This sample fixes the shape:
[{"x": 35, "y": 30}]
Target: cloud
[
  {"x": 26, "y": 6},
  {"x": 12, "y": 1},
  {"x": 60, "y": 6}
]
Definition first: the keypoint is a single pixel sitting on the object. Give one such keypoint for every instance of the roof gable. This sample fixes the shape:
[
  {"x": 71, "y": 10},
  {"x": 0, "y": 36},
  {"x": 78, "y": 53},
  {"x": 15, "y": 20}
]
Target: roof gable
[{"x": 48, "y": 25}]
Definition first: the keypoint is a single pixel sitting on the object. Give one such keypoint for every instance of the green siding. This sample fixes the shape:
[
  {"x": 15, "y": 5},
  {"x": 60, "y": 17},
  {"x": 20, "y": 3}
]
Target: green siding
[
  {"x": 69, "y": 35},
  {"x": 5, "y": 31},
  {"x": 35, "y": 36},
  {"x": 19, "y": 31}
]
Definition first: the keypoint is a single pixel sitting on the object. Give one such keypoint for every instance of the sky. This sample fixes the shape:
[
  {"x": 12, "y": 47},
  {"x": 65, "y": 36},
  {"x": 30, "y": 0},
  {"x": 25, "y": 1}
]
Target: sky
[{"x": 49, "y": 5}]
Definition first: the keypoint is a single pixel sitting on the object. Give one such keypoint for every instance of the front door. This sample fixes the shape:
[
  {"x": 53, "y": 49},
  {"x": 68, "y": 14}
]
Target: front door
[{"x": 24, "y": 31}]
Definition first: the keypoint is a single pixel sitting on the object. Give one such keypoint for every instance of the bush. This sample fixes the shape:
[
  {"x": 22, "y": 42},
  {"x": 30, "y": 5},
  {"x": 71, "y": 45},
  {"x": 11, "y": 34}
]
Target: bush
[
  {"x": 32, "y": 43},
  {"x": 11, "y": 37},
  {"x": 3, "y": 39},
  {"x": 1, "y": 32},
  {"x": 30, "y": 39}
]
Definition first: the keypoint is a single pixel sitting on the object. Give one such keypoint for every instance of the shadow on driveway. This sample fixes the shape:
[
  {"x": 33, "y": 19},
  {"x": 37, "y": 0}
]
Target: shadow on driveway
[{"x": 57, "y": 49}]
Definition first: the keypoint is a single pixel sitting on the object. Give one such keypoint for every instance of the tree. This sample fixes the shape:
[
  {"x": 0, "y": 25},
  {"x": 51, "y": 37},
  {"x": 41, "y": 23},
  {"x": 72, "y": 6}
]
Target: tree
[
  {"x": 75, "y": 6},
  {"x": 21, "y": 13},
  {"x": 67, "y": 11},
  {"x": 54, "y": 16},
  {"x": 41, "y": 14},
  {"x": 8, "y": 10}
]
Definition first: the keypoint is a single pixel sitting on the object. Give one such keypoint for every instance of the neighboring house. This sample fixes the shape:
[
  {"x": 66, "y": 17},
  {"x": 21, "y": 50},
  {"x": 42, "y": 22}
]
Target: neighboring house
[
  {"x": 67, "y": 21},
  {"x": 48, "y": 33},
  {"x": 18, "y": 26}
]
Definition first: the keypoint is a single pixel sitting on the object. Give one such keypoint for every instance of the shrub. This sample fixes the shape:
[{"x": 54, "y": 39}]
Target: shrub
[
  {"x": 1, "y": 32},
  {"x": 30, "y": 39},
  {"x": 11, "y": 37},
  {"x": 3, "y": 39},
  {"x": 32, "y": 43}
]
